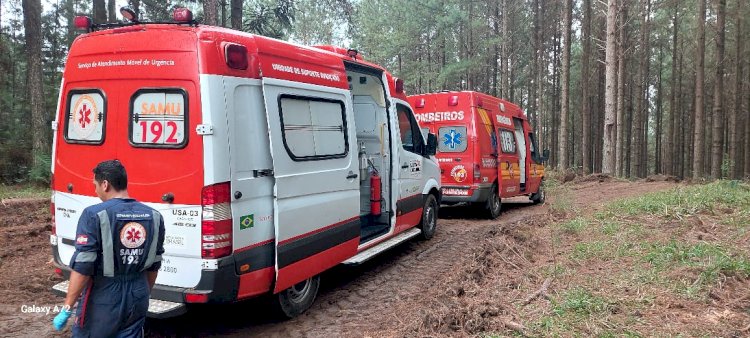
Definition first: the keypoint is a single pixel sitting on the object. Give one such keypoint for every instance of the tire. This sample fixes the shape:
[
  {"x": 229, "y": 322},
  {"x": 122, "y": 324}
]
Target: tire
[
  {"x": 295, "y": 300},
  {"x": 538, "y": 196},
  {"x": 493, "y": 206},
  {"x": 429, "y": 217}
]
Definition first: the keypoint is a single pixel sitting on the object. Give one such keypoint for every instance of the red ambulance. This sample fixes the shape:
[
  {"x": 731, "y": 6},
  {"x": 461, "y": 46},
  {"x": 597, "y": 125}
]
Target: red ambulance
[
  {"x": 486, "y": 148},
  {"x": 270, "y": 161}
]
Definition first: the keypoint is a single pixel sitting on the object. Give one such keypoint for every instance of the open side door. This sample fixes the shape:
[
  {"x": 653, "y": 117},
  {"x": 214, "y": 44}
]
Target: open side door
[
  {"x": 507, "y": 166},
  {"x": 316, "y": 191}
]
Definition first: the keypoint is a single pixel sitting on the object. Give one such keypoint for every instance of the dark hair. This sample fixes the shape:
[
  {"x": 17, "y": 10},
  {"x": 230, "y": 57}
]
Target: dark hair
[{"x": 114, "y": 172}]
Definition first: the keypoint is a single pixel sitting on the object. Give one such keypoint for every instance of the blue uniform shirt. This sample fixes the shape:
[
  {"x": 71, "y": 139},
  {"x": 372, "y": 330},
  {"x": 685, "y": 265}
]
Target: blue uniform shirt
[{"x": 118, "y": 237}]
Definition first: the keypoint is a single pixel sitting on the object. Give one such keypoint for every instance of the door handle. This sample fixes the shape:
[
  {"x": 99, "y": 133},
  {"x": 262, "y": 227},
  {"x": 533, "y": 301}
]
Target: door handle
[
  {"x": 404, "y": 166},
  {"x": 351, "y": 176}
]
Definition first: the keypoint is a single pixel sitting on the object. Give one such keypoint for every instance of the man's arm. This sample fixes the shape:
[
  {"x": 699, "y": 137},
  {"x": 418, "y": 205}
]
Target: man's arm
[
  {"x": 151, "y": 275},
  {"x": 77, "y": 283}
]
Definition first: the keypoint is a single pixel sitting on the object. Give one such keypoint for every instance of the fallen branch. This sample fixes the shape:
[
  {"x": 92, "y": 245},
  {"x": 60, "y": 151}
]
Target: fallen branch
[
  {"x": 515, "y": 327},
  {"x": 541, "y": 292}
]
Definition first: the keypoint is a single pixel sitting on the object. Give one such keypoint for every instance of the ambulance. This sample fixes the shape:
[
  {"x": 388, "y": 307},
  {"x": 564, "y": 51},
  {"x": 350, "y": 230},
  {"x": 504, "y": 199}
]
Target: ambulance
[
  {"x": 270, "y": 162},
  {"x": 486, "y": 148}
]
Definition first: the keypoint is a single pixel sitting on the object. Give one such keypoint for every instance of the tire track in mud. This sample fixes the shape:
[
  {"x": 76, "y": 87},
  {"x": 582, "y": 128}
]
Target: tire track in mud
[{"x": 355, "y": 300}]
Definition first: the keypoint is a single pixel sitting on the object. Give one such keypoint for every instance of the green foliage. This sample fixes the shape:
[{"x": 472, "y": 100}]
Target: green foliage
[
  {"x": 23, "y": 191},
  {"x": 575, "y": 225},
  {"x": 580, "y": 301}
]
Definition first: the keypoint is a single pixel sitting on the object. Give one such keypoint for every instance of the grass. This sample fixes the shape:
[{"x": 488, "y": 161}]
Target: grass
[
  {"x": 23, "y": 191},
  {"x": 575, "y": 225}
]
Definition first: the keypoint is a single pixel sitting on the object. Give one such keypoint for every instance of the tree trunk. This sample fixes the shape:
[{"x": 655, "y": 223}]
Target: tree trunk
[
  {"x": 608, "y": 158},
  {"x": 100, "y": 11},
  {"x": 659, "y": 124},
  {"x": 698, "y": 141},
  {"x": 734, "y": 120},
  {"x": 211, "y": 12},
  {"x": 671, "y": 149},
  {"x": 111, "y": 11},
  {"x": 641, "y": 87},
  {"x": 236, "y": 14},
  {"x": 718, "y": 118},
  {"x": 563, "y": 140},
  {"x": 621, "y": 61},
  {"x": 32, "y": 22},
  {"x": 747, "y": 126},
  {"x": 505, "y": 83}
]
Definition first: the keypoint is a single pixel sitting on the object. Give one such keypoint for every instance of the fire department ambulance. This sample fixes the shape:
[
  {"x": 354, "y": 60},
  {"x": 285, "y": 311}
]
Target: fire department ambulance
[
  {"x": 270, "y": 161},
  {"x": 486, "y": 148}
]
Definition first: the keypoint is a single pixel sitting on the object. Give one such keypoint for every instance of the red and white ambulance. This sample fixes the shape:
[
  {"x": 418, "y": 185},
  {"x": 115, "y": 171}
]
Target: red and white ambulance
[
  {"x": 270, "y": 161},
  {"x": 486, "y": 148}
]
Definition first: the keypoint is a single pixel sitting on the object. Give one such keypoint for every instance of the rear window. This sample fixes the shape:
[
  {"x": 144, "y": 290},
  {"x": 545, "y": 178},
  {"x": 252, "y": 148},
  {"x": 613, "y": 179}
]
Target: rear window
[
  {"x": 158, "y": 118},
  {"x": 85, "y": 116},
  {"x": 313, "y": 128},
  {"x": 452, "y": 139},
  {"x": 507, "y": 141}
]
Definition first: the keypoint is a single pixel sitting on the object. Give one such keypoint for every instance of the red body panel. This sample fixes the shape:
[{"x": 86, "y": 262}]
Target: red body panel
[
  {"x": 255, "y": 283},
  {"x": 307, "y": 267}
]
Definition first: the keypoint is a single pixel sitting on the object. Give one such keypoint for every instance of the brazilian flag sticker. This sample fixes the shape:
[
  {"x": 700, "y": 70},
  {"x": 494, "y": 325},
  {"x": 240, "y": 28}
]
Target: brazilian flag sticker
[{"x": 247, "y": 222}]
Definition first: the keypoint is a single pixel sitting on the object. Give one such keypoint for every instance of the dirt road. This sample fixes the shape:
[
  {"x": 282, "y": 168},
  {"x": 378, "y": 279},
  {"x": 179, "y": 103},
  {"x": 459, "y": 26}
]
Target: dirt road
[{"x": 383, "y": 297}]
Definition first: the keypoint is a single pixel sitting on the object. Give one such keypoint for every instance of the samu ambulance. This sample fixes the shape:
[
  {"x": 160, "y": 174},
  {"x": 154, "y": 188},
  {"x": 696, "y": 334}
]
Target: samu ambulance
[
  {"x": 486, "y": 148},
  {"x": 271, "y": 162}
]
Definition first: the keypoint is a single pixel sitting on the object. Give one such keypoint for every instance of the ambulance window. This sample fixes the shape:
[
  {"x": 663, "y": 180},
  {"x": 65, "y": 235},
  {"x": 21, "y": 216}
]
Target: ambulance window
[
  {"x": 158, "y": 118},
  {"x": 452, "y": 139},
  {"x": 85, "y": 117},
  {"x": 507, "y": 141},
  {"x": 313, "y": 128},
  {"x": 411, "y": 135}
]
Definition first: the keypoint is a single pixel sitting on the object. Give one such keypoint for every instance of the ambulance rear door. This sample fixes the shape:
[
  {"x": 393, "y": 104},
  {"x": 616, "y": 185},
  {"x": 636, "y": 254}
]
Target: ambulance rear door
[{"x": 316, "y": 203}]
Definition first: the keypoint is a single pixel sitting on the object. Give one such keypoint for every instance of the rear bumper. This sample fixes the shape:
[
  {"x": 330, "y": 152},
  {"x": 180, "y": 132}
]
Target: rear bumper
[
  {"x": 218, "y": 286},
  {"x": 476, "y": 194}
]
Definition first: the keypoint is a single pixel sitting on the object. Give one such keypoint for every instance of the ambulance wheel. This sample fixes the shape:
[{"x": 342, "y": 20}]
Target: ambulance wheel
[
  {"x": 295, "y": 300},
  {"x": 538, "y": 196},
  {"x": 493, "y": 205},
  {"x": 429, "y": 217}
]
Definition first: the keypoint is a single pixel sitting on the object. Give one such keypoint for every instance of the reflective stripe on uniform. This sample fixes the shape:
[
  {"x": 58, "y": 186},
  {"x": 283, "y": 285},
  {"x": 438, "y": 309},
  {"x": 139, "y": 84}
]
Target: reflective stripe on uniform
[
  {"x": 86, "y": 257},
  {"x": 150, "y": 259},
  {"x": 108, "y": 260}
]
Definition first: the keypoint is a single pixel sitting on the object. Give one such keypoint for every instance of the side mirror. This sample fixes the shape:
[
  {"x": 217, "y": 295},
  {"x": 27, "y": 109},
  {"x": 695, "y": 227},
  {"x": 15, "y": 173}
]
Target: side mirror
[
  {"x": 431, "y": 148},
  {"x": 545, "y": 155}
]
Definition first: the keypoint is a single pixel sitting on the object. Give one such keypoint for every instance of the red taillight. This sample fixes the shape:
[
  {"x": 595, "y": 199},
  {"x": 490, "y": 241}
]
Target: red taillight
[
  {"x": 216, "y": 225},
  {"x": 453, "y": 100},
  {"x": 52, "y": 203},
  {"x": 82, "y": 22},
  {"x": 236, "y": 56},
  {"x": 58, "y": 272},
  {"x": 182, "y": 15},
  {"x": 477, "y": 171},
  {"x": 420, "y": 103},
  {"x": 196, "y": 298}
]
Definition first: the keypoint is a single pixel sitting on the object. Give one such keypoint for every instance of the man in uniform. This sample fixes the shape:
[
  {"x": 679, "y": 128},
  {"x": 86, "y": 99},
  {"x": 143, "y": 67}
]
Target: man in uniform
[{"x": 119, "y": 244}]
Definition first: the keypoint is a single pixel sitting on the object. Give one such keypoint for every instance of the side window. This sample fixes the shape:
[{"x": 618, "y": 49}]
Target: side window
[
  {"x": 158, "y": 118},
  {"x": 313, "y": 128},
  {"x": 507, "y": 141},
  {"x": 411, "y": 135},
  {"x": 452, "y": 139},
  {"x": 85, "y": 116}
]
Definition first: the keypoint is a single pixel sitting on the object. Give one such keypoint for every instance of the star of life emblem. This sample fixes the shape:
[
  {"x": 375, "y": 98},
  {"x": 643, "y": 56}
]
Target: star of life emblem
[{"x": 132, "y": 235}]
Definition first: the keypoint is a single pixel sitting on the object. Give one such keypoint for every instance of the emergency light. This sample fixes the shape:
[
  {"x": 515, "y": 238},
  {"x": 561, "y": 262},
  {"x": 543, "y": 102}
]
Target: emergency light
[
  {"x": 479, "y": 102},
  {"x": 399, "y": 85},
  {"x": 82, "y": 22},
  {"x": 236, "y": 56},
  {"x": 182, "y": 15},
  {"x": 420, "y": 103},
  {"x": 453, "y": 100}
]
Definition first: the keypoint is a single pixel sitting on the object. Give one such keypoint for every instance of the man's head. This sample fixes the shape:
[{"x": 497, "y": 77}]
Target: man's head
[{"x": 110, "y": 179}]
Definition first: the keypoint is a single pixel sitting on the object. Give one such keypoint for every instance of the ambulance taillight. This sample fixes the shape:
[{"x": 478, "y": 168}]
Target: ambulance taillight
[
  {"x": 52, "y": 203},
  {"x": 216, "y": 224},
  {"x": 477, "y": 171}
]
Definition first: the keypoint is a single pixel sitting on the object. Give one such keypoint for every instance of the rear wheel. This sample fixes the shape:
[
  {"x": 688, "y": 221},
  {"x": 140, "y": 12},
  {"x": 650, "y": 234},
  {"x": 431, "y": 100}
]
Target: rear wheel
[
  {"x": 538, "y": 196},
  {"x": 295, "y": 300},
  {"x": 493, "y": 206},
  {"x": 429, "y": 217}
]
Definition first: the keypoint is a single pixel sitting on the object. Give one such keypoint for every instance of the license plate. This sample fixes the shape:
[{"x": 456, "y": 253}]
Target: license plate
[{"x": 455, "y": 191}]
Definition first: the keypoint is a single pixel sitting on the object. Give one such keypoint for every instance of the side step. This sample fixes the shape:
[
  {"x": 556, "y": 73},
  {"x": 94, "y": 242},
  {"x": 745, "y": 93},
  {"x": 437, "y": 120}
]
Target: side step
[
  {"x": 156, "y": 308},
  {"x": 374, "y": 251}
]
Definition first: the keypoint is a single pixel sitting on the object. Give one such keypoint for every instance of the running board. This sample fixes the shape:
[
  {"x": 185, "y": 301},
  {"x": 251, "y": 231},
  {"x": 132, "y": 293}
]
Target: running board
[
  {"x": 157, "y": 308},
  {"x": 374, "y": 251}
]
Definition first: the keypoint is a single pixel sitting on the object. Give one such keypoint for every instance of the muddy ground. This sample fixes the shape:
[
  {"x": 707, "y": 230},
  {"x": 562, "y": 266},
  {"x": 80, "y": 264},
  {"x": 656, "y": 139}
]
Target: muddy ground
[{"x": 476, "y": 276}]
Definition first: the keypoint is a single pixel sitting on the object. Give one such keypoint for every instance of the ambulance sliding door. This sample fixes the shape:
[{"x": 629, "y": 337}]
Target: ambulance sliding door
[{"x": 316, "y": 204}]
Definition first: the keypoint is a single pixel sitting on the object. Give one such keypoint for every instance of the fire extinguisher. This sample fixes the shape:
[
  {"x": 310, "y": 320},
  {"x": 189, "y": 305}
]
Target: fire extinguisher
[{"x": 375, "y": 192}]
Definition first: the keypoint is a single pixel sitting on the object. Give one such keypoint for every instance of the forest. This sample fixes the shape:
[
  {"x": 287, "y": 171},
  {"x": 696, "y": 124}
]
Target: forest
[{"x": 628, "y": 88}]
